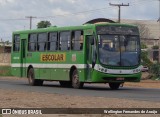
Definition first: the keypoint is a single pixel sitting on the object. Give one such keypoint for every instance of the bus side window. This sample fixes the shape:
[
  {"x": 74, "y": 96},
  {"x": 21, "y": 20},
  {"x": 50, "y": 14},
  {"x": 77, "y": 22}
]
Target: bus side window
[
  {"x": 64, "y": 40},
  {"x": 16, "y": 43},
  {"x": 32, "y": 42},
  {"x": 52, "y": 41},
  {"x": 77, "y": 40},
  {"x": 42, "y": 38}
]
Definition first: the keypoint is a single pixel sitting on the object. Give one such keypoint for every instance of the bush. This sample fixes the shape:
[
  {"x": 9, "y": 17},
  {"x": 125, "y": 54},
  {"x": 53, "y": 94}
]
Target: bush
[
  {"x": 5, "y": 71},
  {"x": 145, "y": 60},
  {"x": 155, "y": 71}
]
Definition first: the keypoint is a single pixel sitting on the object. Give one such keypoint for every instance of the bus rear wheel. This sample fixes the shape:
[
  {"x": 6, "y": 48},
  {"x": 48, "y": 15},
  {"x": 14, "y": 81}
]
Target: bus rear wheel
[
  {"x": 75, "y": 80},
  {"x": 31, "y": 79},
  {"x": 114, "y": 86}
]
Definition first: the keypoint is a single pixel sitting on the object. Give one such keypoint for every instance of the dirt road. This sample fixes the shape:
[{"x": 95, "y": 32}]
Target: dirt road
[{"x": 10, "y": 98}]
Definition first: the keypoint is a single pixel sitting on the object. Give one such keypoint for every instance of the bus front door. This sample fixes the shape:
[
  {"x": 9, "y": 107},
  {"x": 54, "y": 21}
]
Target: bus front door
[
  {"x": 23, "y": 57},
  {"x": 89, "y": 56}
]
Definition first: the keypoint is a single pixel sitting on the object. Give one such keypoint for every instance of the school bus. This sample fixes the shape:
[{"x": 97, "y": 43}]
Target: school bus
[{"x": 74, "y": 55}]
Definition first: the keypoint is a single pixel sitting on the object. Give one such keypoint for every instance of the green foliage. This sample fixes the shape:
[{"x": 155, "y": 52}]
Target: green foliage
[
  {"x": 43, "y": 24},
  {"x": 155, "y": 71},
  {"x": 145, "y": 60},
  {"x": 155, "y": 47},
  {"x": 144, "y": 56},
  {"x": 5, "y": 71},
  {"x": 143, "y": 46}
]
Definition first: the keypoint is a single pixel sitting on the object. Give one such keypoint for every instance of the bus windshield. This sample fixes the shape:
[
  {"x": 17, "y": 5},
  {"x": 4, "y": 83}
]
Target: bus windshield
[{"x": 119, "y": 50}]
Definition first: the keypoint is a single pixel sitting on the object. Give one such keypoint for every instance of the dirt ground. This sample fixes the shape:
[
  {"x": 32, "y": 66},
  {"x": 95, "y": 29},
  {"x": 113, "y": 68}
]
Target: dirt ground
[{"x": 21, "y": 99}]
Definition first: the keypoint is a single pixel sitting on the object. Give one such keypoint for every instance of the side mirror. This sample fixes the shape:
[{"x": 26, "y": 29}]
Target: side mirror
[{"x": 93, "y": 64}]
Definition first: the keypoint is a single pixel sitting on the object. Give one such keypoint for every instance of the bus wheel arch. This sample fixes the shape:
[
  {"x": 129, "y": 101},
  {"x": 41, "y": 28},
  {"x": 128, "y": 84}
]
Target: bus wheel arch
[
  {"x": 31, "y": 77},
  {"x": 71, "y": 72},
  {"x": 30, "y": 66},
  {"x": 74, "y": 78}
]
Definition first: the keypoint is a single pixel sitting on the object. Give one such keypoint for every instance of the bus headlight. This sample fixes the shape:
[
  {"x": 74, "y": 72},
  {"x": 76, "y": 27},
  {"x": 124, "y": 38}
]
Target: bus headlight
[{"x": 136, "y": 70}]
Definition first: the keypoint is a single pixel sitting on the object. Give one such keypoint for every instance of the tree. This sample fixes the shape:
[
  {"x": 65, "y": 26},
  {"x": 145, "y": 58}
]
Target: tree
[
  {"x": 43, "y": 24},
  {"x": 145, "y": 60},
  {"x": 143, "y": 46}
]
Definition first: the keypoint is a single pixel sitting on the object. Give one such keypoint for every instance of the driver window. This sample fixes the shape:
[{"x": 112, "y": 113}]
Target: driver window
[
  {"x": 109, "y": 43},
  {"x": 128, "y": 43}
]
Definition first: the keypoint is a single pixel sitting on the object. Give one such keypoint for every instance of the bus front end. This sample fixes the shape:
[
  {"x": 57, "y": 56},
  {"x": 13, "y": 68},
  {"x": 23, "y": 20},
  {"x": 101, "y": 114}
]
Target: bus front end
[{"x": 118, "y": 55}]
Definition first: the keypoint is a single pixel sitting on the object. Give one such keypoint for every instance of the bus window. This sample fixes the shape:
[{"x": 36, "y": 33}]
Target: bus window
[
  {"x": 52, "y": 42},
  {"x": 77, "y": 40},
  {"x": 16, "y": 43},
  {"x": 42, "y": 39},
  {"x": 65, "y": 41},
  {"x": 32, "y": 42}
]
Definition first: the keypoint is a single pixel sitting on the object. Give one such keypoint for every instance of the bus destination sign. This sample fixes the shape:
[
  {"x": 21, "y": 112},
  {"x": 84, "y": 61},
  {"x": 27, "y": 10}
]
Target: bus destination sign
[{"x": 53, "y": 57}]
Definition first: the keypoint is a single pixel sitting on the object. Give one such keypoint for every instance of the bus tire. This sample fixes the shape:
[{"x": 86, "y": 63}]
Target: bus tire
[
  {"x": 75, "y": 80},
  {"x": 114, "y": 86},
  {"x": 65, "y": 83},
  {"x": 39, "y": 82},
  {"x": 31, "y": 79}
]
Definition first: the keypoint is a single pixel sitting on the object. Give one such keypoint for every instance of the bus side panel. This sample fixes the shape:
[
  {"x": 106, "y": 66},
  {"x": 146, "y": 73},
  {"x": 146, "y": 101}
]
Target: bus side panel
[
  {"x": 60, "y": 74},
  {"x": 81, "y": 73},
  {"x": 79, "y": 63},
  {"x": 16, "y": 66},
  {"x": 32, "y": 60}
]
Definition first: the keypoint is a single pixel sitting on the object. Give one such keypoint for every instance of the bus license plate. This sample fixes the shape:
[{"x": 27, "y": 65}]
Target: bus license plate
[{"x": 120, "y": 79}]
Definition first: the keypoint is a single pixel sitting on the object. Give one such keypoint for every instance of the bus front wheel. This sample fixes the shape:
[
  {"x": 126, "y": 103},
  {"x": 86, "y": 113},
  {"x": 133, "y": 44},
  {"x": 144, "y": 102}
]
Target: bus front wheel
[
  {"x": 31, "y": 79},
  {"x": 75, "y": 80},
  {"x": 114, "y": 86}
]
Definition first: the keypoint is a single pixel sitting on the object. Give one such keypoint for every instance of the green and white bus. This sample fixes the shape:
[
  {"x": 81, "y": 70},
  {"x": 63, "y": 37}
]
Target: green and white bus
[{"x": 74, "y": 55}]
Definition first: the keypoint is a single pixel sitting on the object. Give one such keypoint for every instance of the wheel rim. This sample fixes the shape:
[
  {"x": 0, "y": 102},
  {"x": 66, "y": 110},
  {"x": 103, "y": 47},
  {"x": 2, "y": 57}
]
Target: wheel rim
[
  {"x": 30, "y": 78},
  {"x": 75, "y": 79}
]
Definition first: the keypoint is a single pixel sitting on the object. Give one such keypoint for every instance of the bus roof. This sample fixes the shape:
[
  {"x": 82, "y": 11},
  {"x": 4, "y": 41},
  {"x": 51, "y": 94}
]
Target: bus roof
[{"x": 55, "y": 28}]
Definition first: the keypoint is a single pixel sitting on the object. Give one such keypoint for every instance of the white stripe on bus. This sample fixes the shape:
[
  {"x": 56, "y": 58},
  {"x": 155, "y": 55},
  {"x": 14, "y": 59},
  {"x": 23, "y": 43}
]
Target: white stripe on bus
[{"x": 81, "y": 66}]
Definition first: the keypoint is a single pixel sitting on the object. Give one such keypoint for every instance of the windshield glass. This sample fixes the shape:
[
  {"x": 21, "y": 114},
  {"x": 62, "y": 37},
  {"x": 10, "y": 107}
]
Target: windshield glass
[{"x": 119, "y": 50}]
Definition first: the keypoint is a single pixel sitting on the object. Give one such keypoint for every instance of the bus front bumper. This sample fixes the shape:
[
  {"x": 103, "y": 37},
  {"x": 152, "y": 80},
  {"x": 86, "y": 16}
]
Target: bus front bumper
[{"x": 107, "y": 78}]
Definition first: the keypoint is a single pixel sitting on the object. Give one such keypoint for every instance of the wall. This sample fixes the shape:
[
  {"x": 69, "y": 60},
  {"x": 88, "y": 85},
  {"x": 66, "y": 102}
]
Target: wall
[{"x": 5, "y": 59}]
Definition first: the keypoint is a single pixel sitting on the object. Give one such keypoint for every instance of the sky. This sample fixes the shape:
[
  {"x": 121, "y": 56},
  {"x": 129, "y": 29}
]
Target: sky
[{"x": 69, "y": 12}]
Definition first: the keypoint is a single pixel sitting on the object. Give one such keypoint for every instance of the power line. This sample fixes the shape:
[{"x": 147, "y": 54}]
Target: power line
[
  {"x": 119, "y": 12},
  {"x": 77, "y": 13},
  {"x": 12, "y": 19},
  {"x": 30, "y": 17},
  {"x": 74, "y": 13},
  {"x": 63, "y": 15},
  {"x": 80, "y": 12}
]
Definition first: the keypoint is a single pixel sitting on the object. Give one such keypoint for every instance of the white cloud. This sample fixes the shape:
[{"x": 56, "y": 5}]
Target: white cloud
[
  {"x": 5, "y": 2},
  {"x": 67, "y": 12},
  {"x": 71, "y": 1},
  {"x": 52, "y": 1},
  {"x": 59, "y": 12},
  {"x": 60, "y": 1}
]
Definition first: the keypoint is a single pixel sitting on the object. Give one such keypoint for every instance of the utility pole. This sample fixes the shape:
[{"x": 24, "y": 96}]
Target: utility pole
[
  {"x": 30, "y": 17},
  {"x": 159, "y": 30},
  {"x": 159, "y": 20},
  {"x": 119, "y": 12}
]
